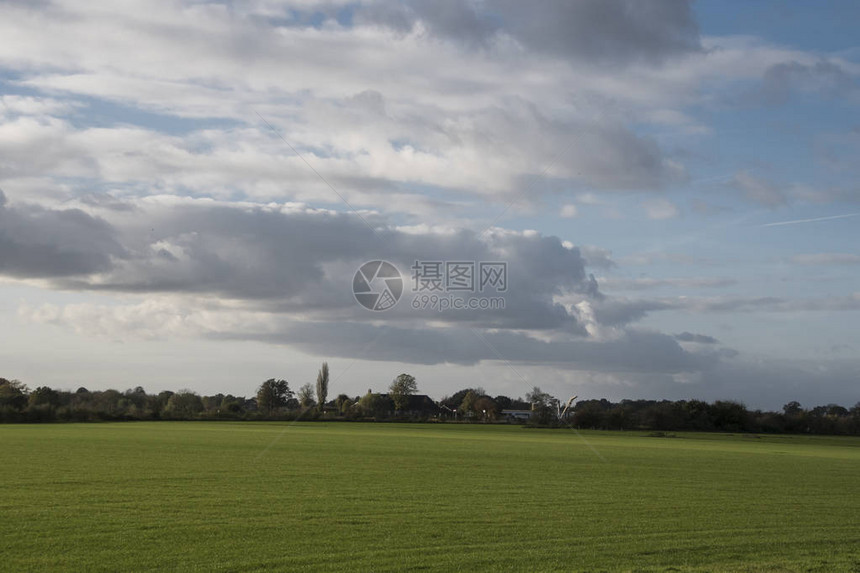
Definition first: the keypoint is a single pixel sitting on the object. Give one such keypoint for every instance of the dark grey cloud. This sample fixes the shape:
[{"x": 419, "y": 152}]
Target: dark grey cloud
[
  {"x": 282, "y": 260},
  {"x": 600, "y": 31},
  {"x": 36, "y": 242},
  {"x": 296, "y": 265},
  {"x": 635, "y": 351}
]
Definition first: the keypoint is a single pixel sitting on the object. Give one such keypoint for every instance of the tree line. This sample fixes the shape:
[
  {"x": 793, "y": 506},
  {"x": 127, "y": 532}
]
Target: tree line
[{"x": 275, "y": 400}]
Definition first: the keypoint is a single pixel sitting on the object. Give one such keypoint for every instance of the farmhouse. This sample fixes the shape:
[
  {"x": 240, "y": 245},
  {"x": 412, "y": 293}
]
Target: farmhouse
[{"x": 513, "y": 415}]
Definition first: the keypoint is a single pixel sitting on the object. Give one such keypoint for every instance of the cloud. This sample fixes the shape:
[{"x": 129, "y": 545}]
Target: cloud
[
  {"x": 38, "y": 243},
  {"x": 758, "y": 381},
  {"x": 660, "y": 209},
  {"x": 596, "y": 257},
  {"x": 282, "y": 258},
  {"x": 612, "y": 283},
  {"x": 823, "y": 77},
  {"x": 396, "y": 117},
  {"x": 697, "y": 338},
  {"x": 759, "y": 190},
  {"x": 619, "y": 311},
  {"x": 826, "y": 259},
  {"x": 234, "y": 271},
  {"x": 631, "y": 351},
  {"x": 599, "y": 31},
  {"x": 569, "y": 211},
  {"x": 152, "y": 180}
]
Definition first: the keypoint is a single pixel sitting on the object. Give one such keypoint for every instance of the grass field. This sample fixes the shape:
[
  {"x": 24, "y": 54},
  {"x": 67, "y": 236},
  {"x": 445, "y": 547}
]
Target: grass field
[{"x": 187, "y": 496}]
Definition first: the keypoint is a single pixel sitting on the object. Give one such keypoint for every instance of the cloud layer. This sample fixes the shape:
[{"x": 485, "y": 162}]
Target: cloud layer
[{"x": 220, "y": 170}]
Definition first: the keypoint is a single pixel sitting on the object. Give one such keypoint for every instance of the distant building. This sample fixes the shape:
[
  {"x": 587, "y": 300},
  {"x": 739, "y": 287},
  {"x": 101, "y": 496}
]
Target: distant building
[{"x": 512, "y": 415}]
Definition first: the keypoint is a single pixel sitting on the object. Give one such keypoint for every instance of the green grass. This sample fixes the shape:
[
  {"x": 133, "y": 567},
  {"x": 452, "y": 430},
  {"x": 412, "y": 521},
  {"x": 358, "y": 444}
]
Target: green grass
[{"x": 186, "y": 496}]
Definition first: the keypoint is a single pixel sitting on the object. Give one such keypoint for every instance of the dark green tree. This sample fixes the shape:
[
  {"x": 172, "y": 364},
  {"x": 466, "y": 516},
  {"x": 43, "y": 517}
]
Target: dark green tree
[
  {"x": 343, "y": 403},
  {"x": 376, "y": 405},
  {"x": 792, "y": 408},
  {"x": 44, "y": 396},
  {"x": 322, "y": 385},
  {"x": 184, "y": 404},
  {"x": 467, "y": 406},
  {"x": 13, "y": 394},
  {"x": 401, "y": 389},
  {"x": 273, "y": 395},
  {"x": 487, "y": 408}
]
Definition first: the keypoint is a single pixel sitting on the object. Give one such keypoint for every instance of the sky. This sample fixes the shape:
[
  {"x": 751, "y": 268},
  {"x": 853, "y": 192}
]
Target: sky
[{"x": 190, "y": 188}]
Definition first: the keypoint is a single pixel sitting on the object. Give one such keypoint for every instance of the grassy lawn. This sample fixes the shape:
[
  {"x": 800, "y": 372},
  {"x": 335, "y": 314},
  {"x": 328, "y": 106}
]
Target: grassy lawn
[{"x": 191, "y": 496}]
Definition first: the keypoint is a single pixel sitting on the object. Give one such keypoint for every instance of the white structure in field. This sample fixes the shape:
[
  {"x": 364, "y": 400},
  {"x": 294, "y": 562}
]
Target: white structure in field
[{"x": 562, "y": 413}]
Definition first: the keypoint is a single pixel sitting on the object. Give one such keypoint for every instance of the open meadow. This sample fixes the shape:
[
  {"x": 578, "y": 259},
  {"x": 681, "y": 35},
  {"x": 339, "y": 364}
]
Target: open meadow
[{"x": 194, "y": 496}]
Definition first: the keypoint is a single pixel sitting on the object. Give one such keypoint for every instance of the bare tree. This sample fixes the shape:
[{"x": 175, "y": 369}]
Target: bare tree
[{"x": 306, "y": 396}]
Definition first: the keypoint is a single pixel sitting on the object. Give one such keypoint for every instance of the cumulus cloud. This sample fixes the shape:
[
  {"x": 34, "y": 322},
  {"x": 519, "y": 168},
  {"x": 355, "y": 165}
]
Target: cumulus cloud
[
  {"x": 286, "y": 258},
  {"x": 282, "y": 274}
]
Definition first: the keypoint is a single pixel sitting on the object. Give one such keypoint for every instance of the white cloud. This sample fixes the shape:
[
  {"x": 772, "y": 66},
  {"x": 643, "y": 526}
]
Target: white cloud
[
  {"x": 660, "y": 209},
  {"x": 569, "y": 211}
]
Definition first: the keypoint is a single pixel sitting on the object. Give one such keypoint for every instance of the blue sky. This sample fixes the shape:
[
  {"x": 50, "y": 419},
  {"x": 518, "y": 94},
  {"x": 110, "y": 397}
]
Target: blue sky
[{"x": 189, "y": 187}]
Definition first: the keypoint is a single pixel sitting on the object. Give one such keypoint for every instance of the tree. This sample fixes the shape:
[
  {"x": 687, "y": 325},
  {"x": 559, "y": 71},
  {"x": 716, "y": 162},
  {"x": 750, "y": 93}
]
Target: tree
[
  {"x": 538, "y": 398},
  {"x": 13, "y": 394},
  {"x": 401, "y": 389},
  {"x": 306, "y": 396},
  {"x": 487, "y": 407},
  {"x": 273, "y": 395},
  {"x": 43, "y": 395},
  {"x": 503, "y": 402},
  {"x": 792, "y": 408},
  {"x": 322, "y": 385},
  {"x": 343, "y": 403},
  {"x": 468, "y": 403},
  {"x": 376, "y": 405},
  {"x": 184, "y": 404}
]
